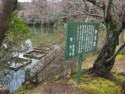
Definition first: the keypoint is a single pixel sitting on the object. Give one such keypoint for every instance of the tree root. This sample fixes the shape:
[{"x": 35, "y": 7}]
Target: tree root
[{"x": 94, "y": 73}]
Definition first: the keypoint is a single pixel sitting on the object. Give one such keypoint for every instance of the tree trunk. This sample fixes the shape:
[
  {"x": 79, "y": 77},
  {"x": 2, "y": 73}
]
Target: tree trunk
[
  {"x": 121, "y": 39},
  {"x": 101, "y": 67},
  {"x": 6, "y": 8},
  {"x": 106, "y": 58},
  {"x": 121, "y": 42},
  {"x": 103, "y": 64}
]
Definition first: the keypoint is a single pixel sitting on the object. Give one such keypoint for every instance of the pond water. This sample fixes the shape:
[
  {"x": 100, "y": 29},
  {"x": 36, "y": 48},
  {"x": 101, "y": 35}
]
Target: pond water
[{"x": 15, "y": 79}]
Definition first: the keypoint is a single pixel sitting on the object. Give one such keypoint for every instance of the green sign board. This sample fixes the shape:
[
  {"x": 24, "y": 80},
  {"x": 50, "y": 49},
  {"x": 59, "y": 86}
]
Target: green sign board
[{"x": 81, "y": 38}]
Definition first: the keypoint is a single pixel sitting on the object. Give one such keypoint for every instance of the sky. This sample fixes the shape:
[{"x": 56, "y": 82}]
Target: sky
[{"x": 24, "y": 0}]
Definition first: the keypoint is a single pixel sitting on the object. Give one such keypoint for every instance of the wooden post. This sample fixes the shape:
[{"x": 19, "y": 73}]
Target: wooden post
[
  {"x": 123, "y": 88},
  {"x": 27, "y": 76},
  {"x": 37, "y": 81}
]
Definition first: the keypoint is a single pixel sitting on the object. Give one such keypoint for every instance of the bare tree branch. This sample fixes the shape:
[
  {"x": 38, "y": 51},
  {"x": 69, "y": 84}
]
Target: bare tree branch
[
  {"x": 107, "y": 11},
  {"x": 85, "y": 4},
  {"x": 116, "y": 7},
  {"x": 92, "y": 1},
  {"x": 116, "y": 53},
  {"x": 96, "y": 3},
  {"x": 89, "y": 14}
]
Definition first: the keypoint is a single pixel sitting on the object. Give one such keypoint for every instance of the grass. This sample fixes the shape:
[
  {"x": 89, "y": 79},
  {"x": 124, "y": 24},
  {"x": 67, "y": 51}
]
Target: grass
[
  {"x": 95, "y": 85},
  {"x": 120, "y": 57},
  {"x": 25, "y": 89},
  {"x": 98, "y": 85}
]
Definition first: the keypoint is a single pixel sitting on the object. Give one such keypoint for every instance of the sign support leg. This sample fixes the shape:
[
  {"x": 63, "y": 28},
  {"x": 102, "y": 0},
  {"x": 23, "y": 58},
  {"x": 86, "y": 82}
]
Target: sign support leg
[{"x": 79, "y": 68}]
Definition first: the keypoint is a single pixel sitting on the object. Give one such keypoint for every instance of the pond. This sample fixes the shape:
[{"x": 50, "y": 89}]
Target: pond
[{"x": 39, "y": 34}]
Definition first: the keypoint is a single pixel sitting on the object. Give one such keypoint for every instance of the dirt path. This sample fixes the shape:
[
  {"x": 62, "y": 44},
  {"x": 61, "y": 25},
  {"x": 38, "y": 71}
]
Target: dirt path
[
  {"x": 118, "y": 67},
  {"x": 61, "y": 87}
]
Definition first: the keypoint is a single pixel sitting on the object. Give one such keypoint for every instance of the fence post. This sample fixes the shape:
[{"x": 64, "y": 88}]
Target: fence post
[
  {"x": 37, "y": 77},
  {"x": 27, "y": 75}
]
